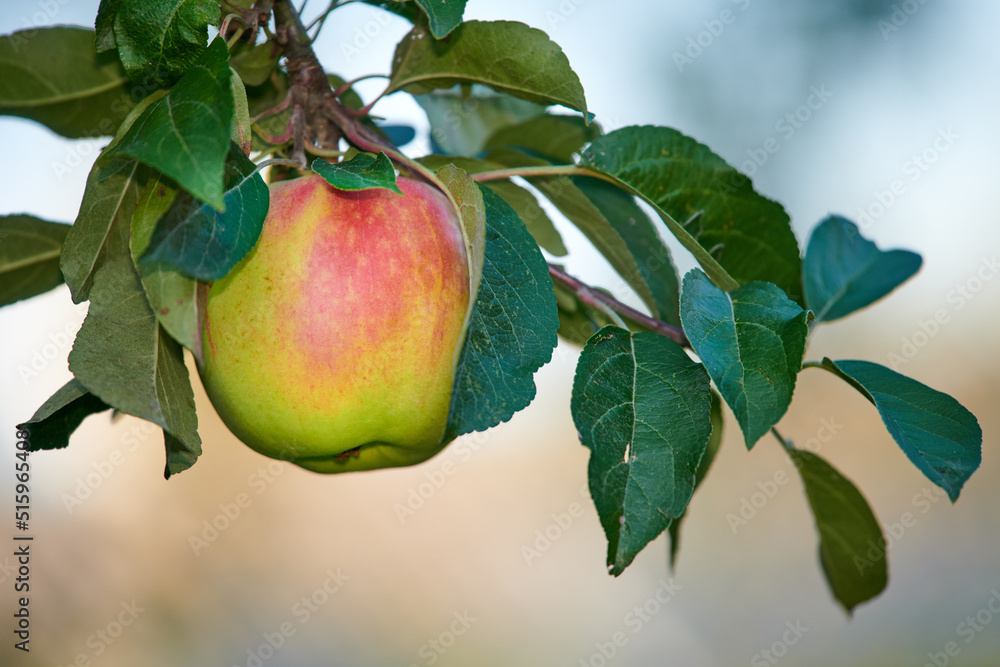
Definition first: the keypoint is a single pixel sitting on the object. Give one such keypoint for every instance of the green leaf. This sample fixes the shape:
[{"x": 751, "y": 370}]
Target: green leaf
[
  {"x": 53, "y": 76},
  {"x": 159, "y": 40},
  {"x": 652, "y": 258},
  {"x": 180, "y": 455},
  {"x": 172, "y": 295},
  {"x": 555, "y": 138},
  {"x": 512, "y": 331},
  {"x": 240, "y": 133},
  {"x": 29, "y": 256},
  {"x": 714, "y": 441},
  {"x": 363, "y": 172},
  {"x": 53, "y": 423},
  {"x": 254, "y": 63},
  {"x": 940, "y": 437},
  {"x": 844, "y": 272},
  {"x": 122, "y": 356},
  {"x": 614, "y": 224},
  {"x": 751, "y": 340},
  {"x": 105, "y": 25},
  {"x": 507, "y": 56},
  {"x": 407, "y": 10},
  {"x": 851, "y": 545},
  {"x": 186, "y": 134},
  {"x": 642, "y": 407},
  {"x": 463, "y": 117},
  {"x": 730, "y": 224},
  {"x": 539, "y": 225},
  {"x": 101, "y": 227},
  {"x": 599, "y": 230},
  {"x": 444, "y": 15},
  {"x": 468, "y": 200},
  {"x": 203, "y": 243}
]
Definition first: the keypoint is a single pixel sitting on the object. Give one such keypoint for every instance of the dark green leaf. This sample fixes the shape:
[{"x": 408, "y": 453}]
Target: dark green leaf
[
  {"x": 844, "y": 272},
  {"x": 747, "y": 234},
  {"x": 852, "y": 548},
  {"x": 642, "y": 407},
  {"x": 55, "y": 421},
  {"x": 507, "y": 56},
  {"x": 172, "y": 295},
  {"x": 402, "y": 8},
  {"x": 29, "y": 256},
  {"x": 706, "y": 462},
  {"x": 105, "y": 25},
  {"x": 940, "y": 437},
  {"x": 54, "y": 76},
  {"x": 203, "y": 243},
  {"x": 462, "y": 119},
  {"x": 101, "y": 227},
  {"x": 122, "y": 356},
  {"x": 751, "y": 340},
  {"x": 444, "y": 15},
  {"x": 652, "y": 258},
  {"x": 512, "y": 331},
  {"x": 159, "y": 40},
  {"x": 539, "y": 225},
  {"x": 363, "y": 172},
  {"x": 556, "y": 138},
  {"x": 186, "y": 134},
  {"x": 180, "y": 455}
]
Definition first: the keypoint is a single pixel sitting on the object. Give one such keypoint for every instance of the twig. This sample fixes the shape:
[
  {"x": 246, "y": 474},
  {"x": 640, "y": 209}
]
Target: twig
[{"x": 600, "y": 300}]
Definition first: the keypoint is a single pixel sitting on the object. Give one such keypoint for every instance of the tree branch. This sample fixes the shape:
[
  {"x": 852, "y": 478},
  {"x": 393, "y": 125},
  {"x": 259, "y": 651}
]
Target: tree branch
[
  {"x": 310, "y": 89},
  {"x": 600, "y": 300}
]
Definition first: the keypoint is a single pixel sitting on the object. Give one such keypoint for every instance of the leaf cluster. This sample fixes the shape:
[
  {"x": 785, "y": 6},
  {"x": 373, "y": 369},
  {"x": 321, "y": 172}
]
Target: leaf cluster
[{"x": 176, "y": 199}]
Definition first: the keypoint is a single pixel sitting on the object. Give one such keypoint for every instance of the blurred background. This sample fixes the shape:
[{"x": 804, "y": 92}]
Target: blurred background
[{"x": 491, "y": 553}]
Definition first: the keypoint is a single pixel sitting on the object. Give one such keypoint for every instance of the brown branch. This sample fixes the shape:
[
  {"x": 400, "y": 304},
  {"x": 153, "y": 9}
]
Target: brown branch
[
  {"x": 600, "y": 300},
  {"x": 310, "y": 89}
]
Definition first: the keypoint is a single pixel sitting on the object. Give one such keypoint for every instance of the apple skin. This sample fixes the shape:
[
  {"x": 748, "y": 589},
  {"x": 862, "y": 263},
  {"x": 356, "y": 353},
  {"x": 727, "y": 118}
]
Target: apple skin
[{"x": 342, "y": 328}]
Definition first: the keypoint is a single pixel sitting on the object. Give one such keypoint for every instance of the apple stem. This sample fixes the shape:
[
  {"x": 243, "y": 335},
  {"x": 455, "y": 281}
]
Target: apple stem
[{"x": 600, "y": 300}]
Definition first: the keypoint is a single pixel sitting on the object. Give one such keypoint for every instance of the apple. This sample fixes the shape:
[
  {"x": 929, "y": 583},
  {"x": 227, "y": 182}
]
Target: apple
[{"x": 333, "y": 343}]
